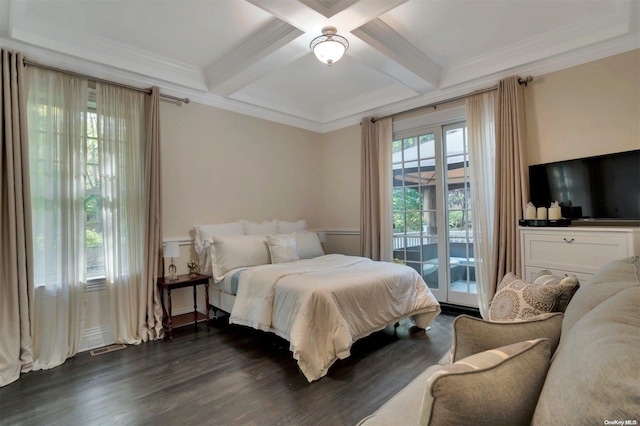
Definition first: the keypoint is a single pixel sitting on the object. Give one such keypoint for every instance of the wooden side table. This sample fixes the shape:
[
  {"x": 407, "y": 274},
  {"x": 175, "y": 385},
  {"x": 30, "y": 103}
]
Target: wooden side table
[{"x": 185, "y": 280}]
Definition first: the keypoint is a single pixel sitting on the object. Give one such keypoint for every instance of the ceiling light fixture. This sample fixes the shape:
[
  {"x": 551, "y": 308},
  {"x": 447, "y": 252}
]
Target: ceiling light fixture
[{"x": 329, "y": 47}]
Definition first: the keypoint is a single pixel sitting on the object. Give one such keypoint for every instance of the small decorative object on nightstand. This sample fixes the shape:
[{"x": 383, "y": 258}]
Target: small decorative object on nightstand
[
  {"x": 169, "y": 321},
  {"x": 193, "y": 268}
]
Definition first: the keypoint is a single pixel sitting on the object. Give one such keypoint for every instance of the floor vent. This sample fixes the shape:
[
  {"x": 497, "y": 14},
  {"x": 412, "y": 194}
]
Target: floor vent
[{"x": 105, "y": 349}]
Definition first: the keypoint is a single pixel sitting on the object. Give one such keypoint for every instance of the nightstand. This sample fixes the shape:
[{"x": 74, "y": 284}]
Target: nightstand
[{"x": 185, "y": 280}]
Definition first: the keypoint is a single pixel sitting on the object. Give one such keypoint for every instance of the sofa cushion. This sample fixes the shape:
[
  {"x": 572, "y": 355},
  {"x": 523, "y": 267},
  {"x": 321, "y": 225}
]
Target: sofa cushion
[
  {"x": 472, "y": 335},
  {"x": 404, "y": 407},
  {"x": 495, "y": 387},
  {"x": 569, "y": 286},
  {"x": 594, "y": 374},
  {"x": 516, "y": 299},
  {"x": 611, "y": 279}
]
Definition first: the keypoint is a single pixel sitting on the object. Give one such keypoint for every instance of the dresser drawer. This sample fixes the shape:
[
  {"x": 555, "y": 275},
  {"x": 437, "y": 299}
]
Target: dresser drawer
[{"x": 573, "y": 251}]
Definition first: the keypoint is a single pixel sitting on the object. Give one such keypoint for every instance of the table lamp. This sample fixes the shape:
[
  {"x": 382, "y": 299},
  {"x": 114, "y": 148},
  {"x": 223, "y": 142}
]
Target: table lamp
[{"x": 171, "y": 249}]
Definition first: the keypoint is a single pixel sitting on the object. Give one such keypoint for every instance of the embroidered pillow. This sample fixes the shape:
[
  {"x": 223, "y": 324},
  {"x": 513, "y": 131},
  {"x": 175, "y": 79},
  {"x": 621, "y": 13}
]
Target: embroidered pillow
[
  {"x": 282, "y": 247},
  {"x": 518, "y": 300}
]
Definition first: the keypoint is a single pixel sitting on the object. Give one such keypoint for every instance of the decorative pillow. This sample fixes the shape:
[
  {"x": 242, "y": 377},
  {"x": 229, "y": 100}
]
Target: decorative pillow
[
  {"x": 282, "y": 247},
  {"x": 266, "y": 227},
  {"x": 473, "y": 335},
  {"x": 569, "y": 286},
  {"x": 203, "y": 234},
  {"x": 518, "y": 300},
  {"x": 285, "y": 227},
  {"x": 308, "y": 245},
  {"x": 495, "y": 387},
  {"x": 232, "y": 252}
]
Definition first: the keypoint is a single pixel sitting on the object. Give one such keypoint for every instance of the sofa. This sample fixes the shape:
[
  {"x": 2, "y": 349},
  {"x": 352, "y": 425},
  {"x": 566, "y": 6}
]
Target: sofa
[{"x": 580, "y": 367}]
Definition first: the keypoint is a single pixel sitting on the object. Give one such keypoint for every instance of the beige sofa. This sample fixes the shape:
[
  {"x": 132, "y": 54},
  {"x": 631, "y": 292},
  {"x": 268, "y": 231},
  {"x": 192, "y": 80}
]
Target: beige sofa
[{"x": 580, "y": 368}]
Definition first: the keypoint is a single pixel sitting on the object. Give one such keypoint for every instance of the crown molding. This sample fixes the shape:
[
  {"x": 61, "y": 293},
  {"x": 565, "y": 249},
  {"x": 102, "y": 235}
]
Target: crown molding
[
  {"x": 550, "y": 44},
  {"x": 106, "y": 52}
]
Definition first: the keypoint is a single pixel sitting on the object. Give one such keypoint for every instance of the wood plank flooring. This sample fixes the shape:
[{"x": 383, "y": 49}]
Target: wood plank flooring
[{"x": 230, "y": 376}]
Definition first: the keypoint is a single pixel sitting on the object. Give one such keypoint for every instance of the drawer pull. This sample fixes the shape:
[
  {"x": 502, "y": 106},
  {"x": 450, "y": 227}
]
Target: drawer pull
[{"x": 568, "y": 241}]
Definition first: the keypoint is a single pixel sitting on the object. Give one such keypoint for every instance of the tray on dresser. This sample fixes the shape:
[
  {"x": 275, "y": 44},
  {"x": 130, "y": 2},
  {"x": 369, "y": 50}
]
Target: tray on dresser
[{"x": 544, "y": 222}]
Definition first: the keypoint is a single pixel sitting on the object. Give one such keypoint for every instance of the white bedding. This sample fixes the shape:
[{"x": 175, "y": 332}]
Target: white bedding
[{"x": 323, "y": 305}]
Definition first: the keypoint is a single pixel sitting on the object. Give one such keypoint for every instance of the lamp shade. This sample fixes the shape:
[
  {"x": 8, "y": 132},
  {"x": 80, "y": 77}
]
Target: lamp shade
[
  {"x": 329, "y": 47},
  {"x": 171, "y": 249}
]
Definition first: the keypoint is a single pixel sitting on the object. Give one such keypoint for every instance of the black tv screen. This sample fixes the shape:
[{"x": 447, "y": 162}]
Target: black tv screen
[{"x": 602, "y": 187}]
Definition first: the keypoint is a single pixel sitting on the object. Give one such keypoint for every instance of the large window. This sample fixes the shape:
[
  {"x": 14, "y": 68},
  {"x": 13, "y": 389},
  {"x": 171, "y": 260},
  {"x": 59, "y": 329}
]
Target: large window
[
  {"x": 432, "y": 224},
  {"x": 93, "y": 201}
]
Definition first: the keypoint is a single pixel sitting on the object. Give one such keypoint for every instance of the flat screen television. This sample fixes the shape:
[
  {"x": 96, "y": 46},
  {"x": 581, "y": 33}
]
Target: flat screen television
[{"x": 604, "y": 187}]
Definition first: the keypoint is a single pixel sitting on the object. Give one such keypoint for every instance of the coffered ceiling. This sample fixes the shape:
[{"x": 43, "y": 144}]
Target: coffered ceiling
[{"x": 253, "y": 57}]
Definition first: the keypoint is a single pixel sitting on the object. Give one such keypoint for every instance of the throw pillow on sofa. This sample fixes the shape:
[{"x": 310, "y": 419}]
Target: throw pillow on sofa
[
  {"x": 474, "y": 335},
  {"x": 518, "y": 300},
  {"x": 569, "y": 286},
  {"x": 498, "y": 386}
]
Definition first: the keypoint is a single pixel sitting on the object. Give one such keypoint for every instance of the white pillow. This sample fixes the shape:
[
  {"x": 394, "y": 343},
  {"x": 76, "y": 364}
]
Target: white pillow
[
  {"x": 285, "y": 227},
  {"x": 203, "y": 239},
  {"x": 266, "y": 227},
  {"x": 282, "y": 247},
  {"x": 308, "y": 245},
  {"x": 232, "y": 252}
]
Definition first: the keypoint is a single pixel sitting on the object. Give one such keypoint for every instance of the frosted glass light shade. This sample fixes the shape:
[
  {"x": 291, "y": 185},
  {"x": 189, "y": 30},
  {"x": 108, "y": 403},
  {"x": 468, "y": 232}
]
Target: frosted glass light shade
[{"x": 329, "y": 47}]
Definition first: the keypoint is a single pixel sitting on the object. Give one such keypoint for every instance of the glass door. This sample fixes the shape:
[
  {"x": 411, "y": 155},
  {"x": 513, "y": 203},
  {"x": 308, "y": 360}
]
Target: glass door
[{"x": 431, "y": 210}]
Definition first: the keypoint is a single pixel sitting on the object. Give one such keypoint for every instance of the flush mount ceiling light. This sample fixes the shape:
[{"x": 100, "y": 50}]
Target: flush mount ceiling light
[{"x": 329, "y": 47}]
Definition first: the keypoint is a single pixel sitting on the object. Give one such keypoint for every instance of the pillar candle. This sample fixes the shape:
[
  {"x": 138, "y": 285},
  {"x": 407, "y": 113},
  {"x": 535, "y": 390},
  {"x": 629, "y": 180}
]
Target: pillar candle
[
  {"x": 554, "y": 213},
  {"x": 542, "y": 213},
  {"x": 530, "y": 213}
]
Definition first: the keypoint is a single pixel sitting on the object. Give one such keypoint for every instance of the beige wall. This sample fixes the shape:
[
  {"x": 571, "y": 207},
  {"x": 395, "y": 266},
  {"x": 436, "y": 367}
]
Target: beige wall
[
  {"x": 220, "y": 166},
  {"x": 590, "y": 109}
]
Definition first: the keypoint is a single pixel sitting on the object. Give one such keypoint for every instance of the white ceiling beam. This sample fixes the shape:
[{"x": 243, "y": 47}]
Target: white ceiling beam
[
  {"x": 385, "y": 39},
  {"x": 293, "y": 13},
  {"x": 262, "y": 43},
  {"x": 258, "y": 69},
  {"x": 362, "y": 12}
]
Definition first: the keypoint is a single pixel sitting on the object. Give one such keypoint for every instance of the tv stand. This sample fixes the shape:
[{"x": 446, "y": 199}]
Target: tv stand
[{"x": 579, "y": 251}]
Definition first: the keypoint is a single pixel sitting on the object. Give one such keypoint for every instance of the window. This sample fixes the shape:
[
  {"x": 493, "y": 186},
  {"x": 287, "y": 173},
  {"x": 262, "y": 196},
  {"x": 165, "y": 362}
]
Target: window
[{"x": 94, "y": 241}]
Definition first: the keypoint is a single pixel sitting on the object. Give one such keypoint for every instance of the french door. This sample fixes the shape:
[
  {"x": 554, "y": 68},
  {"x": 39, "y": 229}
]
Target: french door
[{"x": 432, "y": 224}]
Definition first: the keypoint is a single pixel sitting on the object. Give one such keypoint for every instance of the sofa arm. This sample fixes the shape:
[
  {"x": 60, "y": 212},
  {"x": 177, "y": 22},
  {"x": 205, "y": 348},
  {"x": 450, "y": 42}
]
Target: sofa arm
[{"x": 473, "y": 335}]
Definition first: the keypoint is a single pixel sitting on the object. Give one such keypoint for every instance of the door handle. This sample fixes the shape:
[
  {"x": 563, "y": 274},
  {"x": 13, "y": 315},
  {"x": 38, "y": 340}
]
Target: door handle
[{"x": 569, "y": 241}]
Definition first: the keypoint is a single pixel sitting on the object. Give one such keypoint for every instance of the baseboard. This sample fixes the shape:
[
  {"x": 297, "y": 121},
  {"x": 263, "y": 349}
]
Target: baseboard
[{"x": 448, "y": 308}]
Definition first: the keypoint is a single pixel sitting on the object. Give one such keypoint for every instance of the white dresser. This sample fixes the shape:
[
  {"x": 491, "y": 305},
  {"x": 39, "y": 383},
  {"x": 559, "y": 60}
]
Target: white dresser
[{"x": 578, "y": 251}]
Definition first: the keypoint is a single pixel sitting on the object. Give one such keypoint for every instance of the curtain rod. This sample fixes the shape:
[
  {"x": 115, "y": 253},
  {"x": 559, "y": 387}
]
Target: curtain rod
[
  {"x": 526, "y": 80},
  {"x": 100, "y": 80}
]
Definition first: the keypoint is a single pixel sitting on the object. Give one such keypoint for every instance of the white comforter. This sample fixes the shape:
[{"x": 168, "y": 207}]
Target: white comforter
[{"x": 323, "y": 305}]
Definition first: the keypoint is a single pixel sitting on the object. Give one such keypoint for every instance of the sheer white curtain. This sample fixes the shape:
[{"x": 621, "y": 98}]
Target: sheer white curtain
[
  {"x": 480, "y": 111},
  {"x": 57, "y": 117},
  {"x": 122, "y": 140}
]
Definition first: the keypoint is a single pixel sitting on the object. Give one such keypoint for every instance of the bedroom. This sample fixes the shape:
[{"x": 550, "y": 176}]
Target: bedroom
[{"x": 220, "y": 165}]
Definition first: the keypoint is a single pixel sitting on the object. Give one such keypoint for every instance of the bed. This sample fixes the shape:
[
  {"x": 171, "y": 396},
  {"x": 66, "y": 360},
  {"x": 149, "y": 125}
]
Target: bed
[{"x": 281, "y": 281}]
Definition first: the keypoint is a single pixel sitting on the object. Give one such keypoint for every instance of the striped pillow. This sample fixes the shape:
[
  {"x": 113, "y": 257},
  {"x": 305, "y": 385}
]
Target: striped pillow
[{"x": 499, "y": 386}]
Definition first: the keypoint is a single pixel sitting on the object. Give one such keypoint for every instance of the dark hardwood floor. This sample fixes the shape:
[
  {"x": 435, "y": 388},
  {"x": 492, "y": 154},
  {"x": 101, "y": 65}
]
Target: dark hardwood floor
[{"x": 230, "y": 376}]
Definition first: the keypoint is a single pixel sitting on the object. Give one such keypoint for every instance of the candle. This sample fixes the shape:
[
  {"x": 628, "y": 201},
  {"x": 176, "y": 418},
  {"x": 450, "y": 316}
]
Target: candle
[
  {"x": 542, "y": 213},
  {"x": 554, "y": 213},
  {"x": 530, "y": 213}
]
